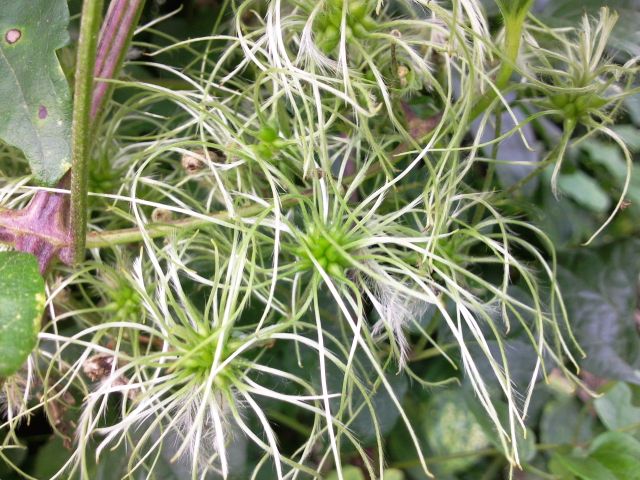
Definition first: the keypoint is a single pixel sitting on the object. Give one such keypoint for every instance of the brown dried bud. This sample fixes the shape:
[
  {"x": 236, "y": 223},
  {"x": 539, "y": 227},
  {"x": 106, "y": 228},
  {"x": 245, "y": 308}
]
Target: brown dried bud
[
  {"x": 195, "y": 161},
  {"x": 98, "y": 366},
  {"x": 161, "y": 215}
]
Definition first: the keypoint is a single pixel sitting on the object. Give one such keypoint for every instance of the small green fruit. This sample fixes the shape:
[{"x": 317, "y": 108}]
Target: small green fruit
[
  {"x": 268, "y": 134},
  {"x": 358, "y": 9}
]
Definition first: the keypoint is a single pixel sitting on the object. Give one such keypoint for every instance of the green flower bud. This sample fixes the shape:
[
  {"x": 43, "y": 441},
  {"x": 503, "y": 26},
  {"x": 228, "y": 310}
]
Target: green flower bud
[
  {"x": 335, "y": 270},
  {"x": 264, "y": 150},
  {"x": 267, "y": 133},
  {"x": 358, "y": 9},
  {"x": 329, "y": 39},
  {"x": 560, "y": 100},
  {"x": 359, "y": 30},
  {"x": 369, "y": 24}
]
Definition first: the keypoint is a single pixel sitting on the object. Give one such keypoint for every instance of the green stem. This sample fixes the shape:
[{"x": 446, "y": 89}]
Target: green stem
[
  {"x": 289, "y": 422},
  {"x": 555, "y": 155},
  {"x": 491, "y": 169},
  {"x": 132, "y": 235},
  {"x": 431, "y": 352},
  {"x": 513, "y": 35},
  {"x": 80, "y": 138}
]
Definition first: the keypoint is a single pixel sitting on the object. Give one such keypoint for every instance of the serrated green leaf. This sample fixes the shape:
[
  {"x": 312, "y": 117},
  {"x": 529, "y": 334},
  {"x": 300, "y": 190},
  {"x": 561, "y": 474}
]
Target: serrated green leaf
[
  {"x": 599, "y": 288},
  {"x": 630, "y": 135},
  {"x": 386, "y": 412},
  {"x": 632, "y": 105},
  {"x": 609, "y": 156},
  {"x": 22, "y": 299},
  {"x": 612, "y": 456},
  {"x": 15, "y": 455},
  {"x": 525, "y": 441},
  {"x": 564, "y": 422},
  {"x": 559, "y": 470},
  {"x": 50, "y": 458},
  {"x": 553, "y": 214},
  {"x": 34, "y": 94}
]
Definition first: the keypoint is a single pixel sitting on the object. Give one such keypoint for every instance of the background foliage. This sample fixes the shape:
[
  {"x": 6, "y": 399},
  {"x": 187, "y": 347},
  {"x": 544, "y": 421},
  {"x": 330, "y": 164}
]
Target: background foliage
[{"x": 569, "y": 433}]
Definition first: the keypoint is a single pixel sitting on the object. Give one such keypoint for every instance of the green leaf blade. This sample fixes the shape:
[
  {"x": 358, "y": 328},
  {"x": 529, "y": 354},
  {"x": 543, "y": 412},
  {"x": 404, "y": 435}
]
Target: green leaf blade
[
  {"x": 22, "y": 299},
  {"x": 34, "y": 93},
  {"x": 582, "y": 468},
  {"x": 599, "y": 289},
  {"x": 585, "y": 191},
  {"x": 619, "y": 452},
  {"x": 615, "y": 408}
]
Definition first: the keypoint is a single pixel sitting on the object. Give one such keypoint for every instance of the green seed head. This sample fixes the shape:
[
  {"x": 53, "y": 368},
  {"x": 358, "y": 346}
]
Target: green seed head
[
  {"x": 327, "y": 247},
  {"x": 196, "y": 353},
  {"x": 124, "y": 302},
  {"x": 578, "y": 107}
]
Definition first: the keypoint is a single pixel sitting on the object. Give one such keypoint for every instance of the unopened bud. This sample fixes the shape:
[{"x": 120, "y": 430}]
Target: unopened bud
[{"x": 402, "y": 75}]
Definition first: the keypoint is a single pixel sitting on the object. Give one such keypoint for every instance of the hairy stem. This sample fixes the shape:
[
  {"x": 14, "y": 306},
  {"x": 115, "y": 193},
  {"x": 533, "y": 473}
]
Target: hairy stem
[
  {"x": 131, "y": 235},
  {"x": 80, "y": 139},
  {"x": 103, "y": 60}
]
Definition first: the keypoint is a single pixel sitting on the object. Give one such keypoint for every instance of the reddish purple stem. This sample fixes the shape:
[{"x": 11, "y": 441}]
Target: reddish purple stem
[
  {"x": 121, "y": 18},
  {"x": 41, "y": 228},
  {"x": 107, "y": 32}
]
